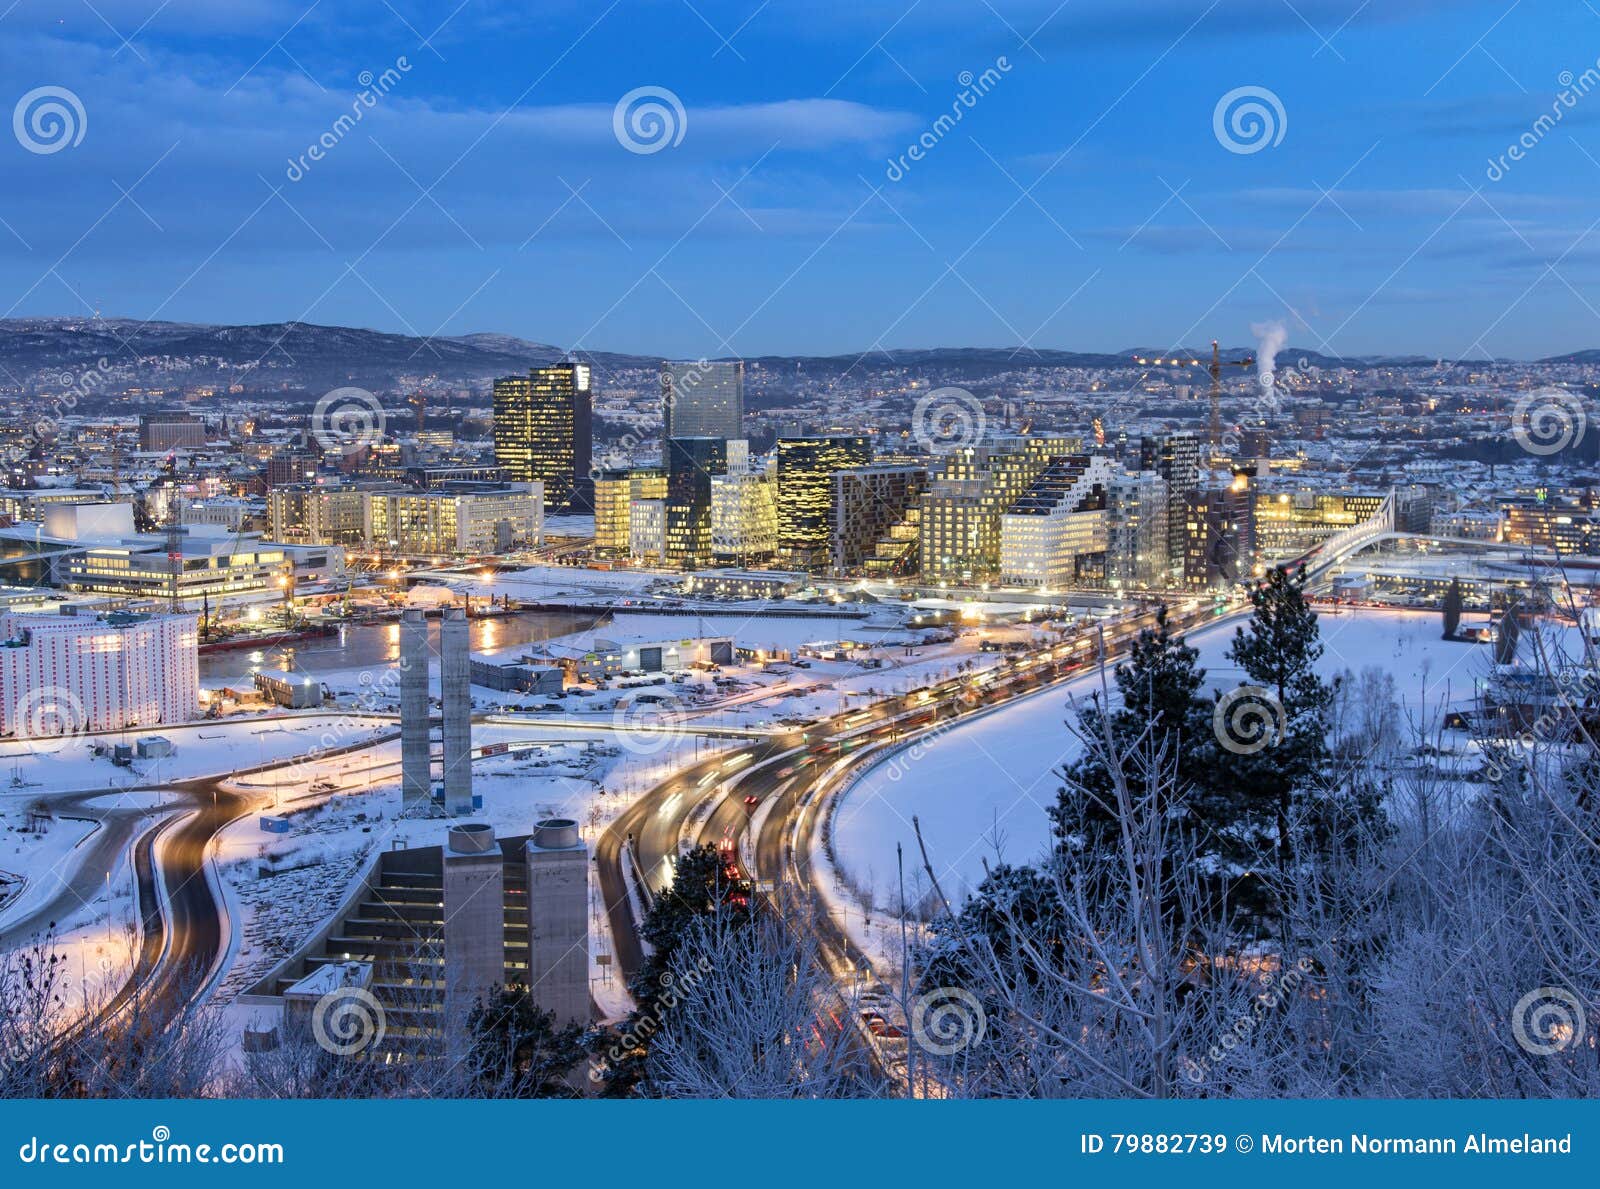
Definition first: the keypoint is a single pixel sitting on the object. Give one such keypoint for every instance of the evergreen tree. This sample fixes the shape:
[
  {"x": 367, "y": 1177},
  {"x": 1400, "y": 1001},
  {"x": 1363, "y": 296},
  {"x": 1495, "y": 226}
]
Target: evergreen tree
[
  {"x": 1278, "y": 653},
  {"x": 1159, "y": 694},
  {"x": 1452, "y": 609},
  {"x": 518, "y": 1050},
  {"x": 702, "y": 881},
  {"x": 1505, "y": 643}
]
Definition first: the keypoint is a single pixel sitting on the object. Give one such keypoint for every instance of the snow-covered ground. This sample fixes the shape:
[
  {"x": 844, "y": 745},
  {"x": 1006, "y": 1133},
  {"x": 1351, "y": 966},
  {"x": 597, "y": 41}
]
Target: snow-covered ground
[
  {"x": 282, "y": 887},
  {"x": 200, "y": 749},
  {"x": 981, "y": 790}
]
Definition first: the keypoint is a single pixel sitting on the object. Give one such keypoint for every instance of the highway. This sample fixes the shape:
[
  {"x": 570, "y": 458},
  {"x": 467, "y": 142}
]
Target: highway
[{"x": 698, "y": 806}]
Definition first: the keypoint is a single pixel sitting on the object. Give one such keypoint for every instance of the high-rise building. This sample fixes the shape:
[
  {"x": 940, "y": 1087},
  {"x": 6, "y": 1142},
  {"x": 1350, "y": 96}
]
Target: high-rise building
[
  {"x": 69, "y": 674},
  {"x": 615, "y": 493},
  {"x": 1219, "y": 534},
  {"x": 805, "y": 493},
  {"x": 969, "y": 492},
  {"x": 744, "y": 515},
  {"x": 876, "y": 510},
  {"x": 691, "y": 463},
  {"x": 544, "y": 431},
  {"x": 1055, "y": 534},
  {"x": 703, "y": 399},
  {"x": 1176, "y": 458},
  {"x": 1136, "y": 531}
]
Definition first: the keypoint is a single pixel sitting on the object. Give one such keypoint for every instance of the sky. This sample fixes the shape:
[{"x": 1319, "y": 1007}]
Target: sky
[{"x": 1124, "y": 173}]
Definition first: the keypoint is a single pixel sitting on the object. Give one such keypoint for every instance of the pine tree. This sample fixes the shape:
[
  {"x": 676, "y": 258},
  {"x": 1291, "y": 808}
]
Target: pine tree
[
  {"x": 1452, "y": 609},
  {"x": 1159, "y": 691},
  {"x": 1505, "y": 643},
  {"x": 1278, "y": 653},
  {"x": 518, "y": 1050},
  {"x": 702, "y": 881}
]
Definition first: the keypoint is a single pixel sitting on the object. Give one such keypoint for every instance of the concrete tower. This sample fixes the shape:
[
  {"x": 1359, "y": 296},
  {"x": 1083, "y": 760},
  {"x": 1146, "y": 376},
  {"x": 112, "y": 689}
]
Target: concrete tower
[
  {"x": 474, "y": 917},
  {"x": 415, "y": 758},
  {"x": 455, "y": 692},
  {"x": 558, "y": 920}
]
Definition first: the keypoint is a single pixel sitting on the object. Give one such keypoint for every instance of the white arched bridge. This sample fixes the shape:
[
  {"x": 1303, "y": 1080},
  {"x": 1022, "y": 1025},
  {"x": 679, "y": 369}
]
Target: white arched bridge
[{"x": 1379, "y": 529}]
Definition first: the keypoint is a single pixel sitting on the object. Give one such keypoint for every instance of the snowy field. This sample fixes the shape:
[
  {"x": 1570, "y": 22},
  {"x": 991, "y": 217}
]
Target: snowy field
[
  {"x": 981, "y": 791},
  {"x": 200, "y": 749}
]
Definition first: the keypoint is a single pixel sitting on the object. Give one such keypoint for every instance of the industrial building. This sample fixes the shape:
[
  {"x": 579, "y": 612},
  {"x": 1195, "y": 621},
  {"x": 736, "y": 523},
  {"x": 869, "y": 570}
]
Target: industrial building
[{"x": 432, "y": 928}]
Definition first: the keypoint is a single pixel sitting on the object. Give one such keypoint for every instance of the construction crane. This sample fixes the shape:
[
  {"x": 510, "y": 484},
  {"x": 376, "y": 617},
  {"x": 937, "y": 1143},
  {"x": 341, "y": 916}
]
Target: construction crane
[{"x": 1215, "y": 368}]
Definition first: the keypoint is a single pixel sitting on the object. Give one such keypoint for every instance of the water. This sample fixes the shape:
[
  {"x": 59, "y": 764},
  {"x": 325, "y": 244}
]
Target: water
[{"x": 377, "y": 645}]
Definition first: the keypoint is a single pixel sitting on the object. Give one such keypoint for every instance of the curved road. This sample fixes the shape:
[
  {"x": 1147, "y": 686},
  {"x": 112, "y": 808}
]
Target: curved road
[{"x": 657, "y": 820}]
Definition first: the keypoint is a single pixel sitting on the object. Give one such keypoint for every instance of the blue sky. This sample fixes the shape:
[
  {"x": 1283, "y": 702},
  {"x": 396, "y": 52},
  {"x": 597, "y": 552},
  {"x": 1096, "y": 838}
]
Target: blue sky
[{"x": 1083, "y": 202}]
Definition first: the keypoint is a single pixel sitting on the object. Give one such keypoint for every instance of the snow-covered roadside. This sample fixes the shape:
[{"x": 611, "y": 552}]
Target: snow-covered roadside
[
  {"x": 200, "y": 749},
  {"x": 981, "y": 790}
]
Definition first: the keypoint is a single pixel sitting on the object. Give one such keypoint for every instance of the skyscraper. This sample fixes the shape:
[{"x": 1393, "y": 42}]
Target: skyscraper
[
  {"x": 544, "y": 430},
  {"x": 691, "y": 462},
  {"x": 701, "y": 399},
  {"x": 805, "y": 492}
]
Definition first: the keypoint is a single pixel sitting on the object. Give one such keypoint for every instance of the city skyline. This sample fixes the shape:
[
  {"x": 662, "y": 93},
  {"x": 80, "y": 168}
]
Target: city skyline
[{"x": 1420, "y": 188}]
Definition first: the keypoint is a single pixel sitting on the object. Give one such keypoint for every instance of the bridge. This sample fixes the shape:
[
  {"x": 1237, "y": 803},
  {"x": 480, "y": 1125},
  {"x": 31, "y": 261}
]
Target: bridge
[{"x": 1379, "y": 529}]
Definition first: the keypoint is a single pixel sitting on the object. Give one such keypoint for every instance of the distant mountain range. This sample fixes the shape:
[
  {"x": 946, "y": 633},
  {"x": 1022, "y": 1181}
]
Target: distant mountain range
[{"x": 299, "y": 354}]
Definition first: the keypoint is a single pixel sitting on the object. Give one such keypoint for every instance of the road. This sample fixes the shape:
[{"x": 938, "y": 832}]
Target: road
[{"x": 656, "y": 822}]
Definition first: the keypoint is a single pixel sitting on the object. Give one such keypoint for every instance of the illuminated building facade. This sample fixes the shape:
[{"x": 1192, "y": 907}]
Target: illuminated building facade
[
  {"x": 544, "y": 431},
  {"x": 806, "y": 466}
]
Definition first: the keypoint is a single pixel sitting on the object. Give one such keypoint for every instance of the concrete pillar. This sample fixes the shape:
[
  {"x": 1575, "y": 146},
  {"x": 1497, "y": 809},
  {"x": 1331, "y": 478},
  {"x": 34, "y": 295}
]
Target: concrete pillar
[
  {"x": 558, "y": 920},
  {"x": 455, "y": 691},
  {"x": 415, "y": 762},
  {"x": 474, "y": 917}
]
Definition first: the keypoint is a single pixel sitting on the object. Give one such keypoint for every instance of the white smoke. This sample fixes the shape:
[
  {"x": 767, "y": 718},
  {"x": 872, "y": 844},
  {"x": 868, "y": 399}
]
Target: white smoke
[{"x": 1271, "y": 337}]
